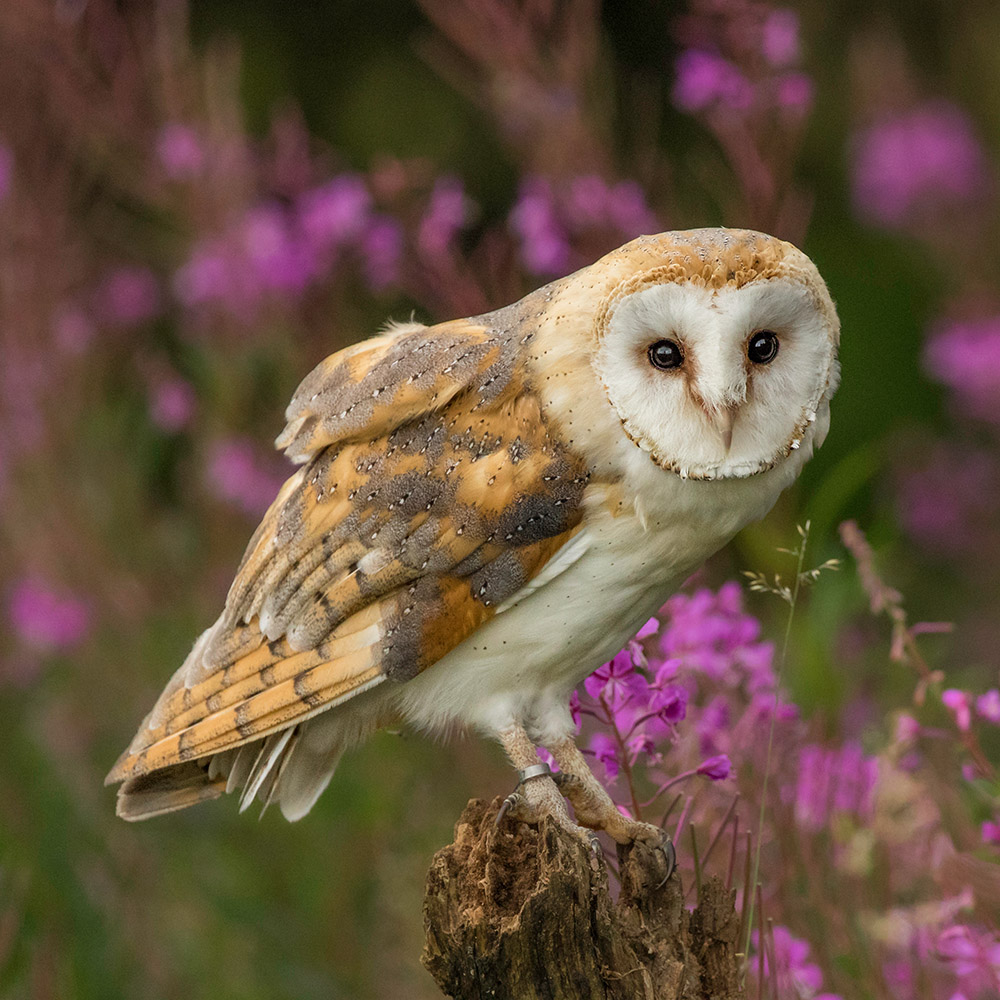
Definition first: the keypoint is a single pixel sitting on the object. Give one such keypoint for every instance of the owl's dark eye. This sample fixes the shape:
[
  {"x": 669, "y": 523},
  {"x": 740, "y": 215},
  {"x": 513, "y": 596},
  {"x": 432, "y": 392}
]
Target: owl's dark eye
[
  {"x": 665, "y": 354},
  {"x": 763, "y": 347}
]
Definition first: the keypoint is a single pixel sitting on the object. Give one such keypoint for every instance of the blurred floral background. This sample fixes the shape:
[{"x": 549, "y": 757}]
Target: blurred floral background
[{"x": 199, "y": 203}]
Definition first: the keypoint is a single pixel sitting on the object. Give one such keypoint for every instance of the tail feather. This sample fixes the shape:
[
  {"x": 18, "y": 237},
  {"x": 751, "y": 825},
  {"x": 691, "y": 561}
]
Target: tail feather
[
  {"x": 166, "y": 791},
  {"x": 290, "y": 767},
  {"x": 271, "y": 752}
]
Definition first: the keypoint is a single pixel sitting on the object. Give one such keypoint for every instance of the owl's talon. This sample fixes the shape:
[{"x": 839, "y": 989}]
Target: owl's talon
[
  {"x": 565, "y": 782},
  {"x": 671, "y": 858},
  {"x": 511, "y": 802}
]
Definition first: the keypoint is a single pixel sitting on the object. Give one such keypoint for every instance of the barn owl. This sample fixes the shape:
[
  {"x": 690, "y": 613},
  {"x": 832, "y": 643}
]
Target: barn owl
[{"x": 486, "y": 510}]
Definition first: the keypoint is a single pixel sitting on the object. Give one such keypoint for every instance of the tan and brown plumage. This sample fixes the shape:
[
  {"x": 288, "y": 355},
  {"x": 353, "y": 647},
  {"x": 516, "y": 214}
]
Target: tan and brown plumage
[
  {"x": 488, "y": 508},
  {"x": 375, "y": 559}
]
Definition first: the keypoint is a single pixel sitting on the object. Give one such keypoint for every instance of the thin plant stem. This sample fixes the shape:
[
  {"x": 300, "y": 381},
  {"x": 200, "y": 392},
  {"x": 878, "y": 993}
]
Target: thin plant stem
[
  {"x": 683, "y": 819},
  {"x": 801, "y": 552},
  {"x": 626, "y": 768},
  {"x": 723, "y": 825},
  {"x": 760, "y": 940},
  {"x": 732, "y": 853},
  {"x": 747, "y": 908},
  {"x": 673, "y": 805},
  {"x": 697, "y": 861}
]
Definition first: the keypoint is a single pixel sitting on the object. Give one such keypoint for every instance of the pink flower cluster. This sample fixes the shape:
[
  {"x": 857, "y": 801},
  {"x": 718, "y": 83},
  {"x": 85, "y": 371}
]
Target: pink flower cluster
[
  {"x": 965, "y": 356},
  {"x": 548, "y": 220},
  {"x": 708, "y": 671},
  {"x": 787, "y": 968},
  {"x": 279, "y": 250},
  {"x": 831, "y": 782},
  {"x": 45, "y": 619},
  {"x": 926, "y": 160},
  {"x": 238, "y": 474},
  {"x": 708, "y": 667},
  {"x": 947, "y": 497},
  {"x": 973, "y": 956},
  {"x": 757, "y": 75}
]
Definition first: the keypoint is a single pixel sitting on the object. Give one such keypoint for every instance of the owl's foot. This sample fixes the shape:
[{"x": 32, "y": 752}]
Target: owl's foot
[
  {"x": 536, "y": 795},
  {"x": 595, "y": 809},
  {"x": 531, "y": 802}
]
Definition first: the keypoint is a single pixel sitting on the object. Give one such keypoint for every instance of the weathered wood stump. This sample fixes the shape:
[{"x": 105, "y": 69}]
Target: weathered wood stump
[{"x": 524, "y": 913}]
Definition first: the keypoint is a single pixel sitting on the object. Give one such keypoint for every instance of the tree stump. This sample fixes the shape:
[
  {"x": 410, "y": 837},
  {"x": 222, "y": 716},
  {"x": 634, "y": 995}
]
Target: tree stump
[{"x": 520, "y": 912}]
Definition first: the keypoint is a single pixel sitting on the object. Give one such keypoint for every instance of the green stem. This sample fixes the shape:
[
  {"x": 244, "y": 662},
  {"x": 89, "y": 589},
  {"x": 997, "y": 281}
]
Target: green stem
[
  {"x": 623, "y": 751},
  {"x": 770, "y": 736}
]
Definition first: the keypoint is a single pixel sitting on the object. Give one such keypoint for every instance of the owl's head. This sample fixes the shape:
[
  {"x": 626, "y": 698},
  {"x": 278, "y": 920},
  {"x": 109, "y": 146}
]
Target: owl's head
[{"x": 719, "y": 351}]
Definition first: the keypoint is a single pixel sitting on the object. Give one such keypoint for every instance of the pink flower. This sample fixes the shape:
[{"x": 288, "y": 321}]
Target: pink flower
[
  {"x": 973, "y": 955},
  {"x": 650, "y": 628},
  {"x": 946, "y": 500},
  {"x": 705, "y": 79},
  {"x": 988, "y": 706},
  {"x": 966, "y": 358},
  {"x": 907, "y": 728},
  {"x": 926, "y": 158},
  {"x": 616, "y": 682},
  {"x": 336, "y": 212},
  {"x": 382, "y": 248},
  {"x": 277, "y": 256},
  {"x": 780, "y": 37},
  {"x": 627, "y": 211},
  {"x": 833, "y": 781},
  {"x": 179, "y": 151},
  {"x": 710, "y": 633},
  {"x": 960, "y": 703},
  {"x": 717, "y": 768},
  {"x": 446, "y": 213},
  {"x": 714, "y": 724},
  {"x": 669, "y": 703},
  {"x": 171, "y": 404},
  {"x": 591, "y": 203},
  {"x": 216, "y": 273},
  {"x": 235, "y": 473},
  {"x": 574, "y": 708},
  {"x": 45, "y": 620},
  {"x": 605, "y": 750},
  {"x": 794, "y": 973},
  {"x": 544, "y": 242},
  {"x": 990, "y": 832}
]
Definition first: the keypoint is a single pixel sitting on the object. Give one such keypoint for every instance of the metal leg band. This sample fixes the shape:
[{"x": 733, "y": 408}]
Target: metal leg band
[{"x": 539, "y": 770}]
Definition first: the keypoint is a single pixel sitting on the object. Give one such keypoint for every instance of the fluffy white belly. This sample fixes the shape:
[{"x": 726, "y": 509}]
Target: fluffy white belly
[{"x": 593, "y": 596}]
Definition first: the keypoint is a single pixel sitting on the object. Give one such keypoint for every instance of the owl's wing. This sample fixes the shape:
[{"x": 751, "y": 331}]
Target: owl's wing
[{"x": 432, "y": 490}]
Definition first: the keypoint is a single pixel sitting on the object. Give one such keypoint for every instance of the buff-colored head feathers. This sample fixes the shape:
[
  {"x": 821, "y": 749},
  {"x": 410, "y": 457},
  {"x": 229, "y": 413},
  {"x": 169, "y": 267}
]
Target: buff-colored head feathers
[{"x": 718, "y": 351}]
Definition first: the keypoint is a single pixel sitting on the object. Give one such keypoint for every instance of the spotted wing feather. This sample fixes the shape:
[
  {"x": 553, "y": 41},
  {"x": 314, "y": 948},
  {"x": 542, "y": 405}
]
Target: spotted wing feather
[{"x": 432, "y": 489}]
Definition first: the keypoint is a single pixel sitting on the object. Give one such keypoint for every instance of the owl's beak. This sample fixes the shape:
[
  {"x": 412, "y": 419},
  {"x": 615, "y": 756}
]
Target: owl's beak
[
  {"x": 722, "y": 421},
  {"x": 720, "y": 417}
]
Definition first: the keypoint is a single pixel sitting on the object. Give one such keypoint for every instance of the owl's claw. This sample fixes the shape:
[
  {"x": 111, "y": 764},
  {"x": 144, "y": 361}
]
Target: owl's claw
[
  {"x": 518, "y": 805},
  {"x": 667, "y": 846},
  {"x": 510, "y": 803}
]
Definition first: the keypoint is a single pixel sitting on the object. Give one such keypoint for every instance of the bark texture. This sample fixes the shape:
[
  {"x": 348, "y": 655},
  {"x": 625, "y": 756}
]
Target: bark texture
[{"x": 524, "y": 913}]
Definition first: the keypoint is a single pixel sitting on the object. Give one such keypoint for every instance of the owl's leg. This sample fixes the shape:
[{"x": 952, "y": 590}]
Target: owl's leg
[
  {"x": 535, "y": 796},
  {"x": 593, "y": 805}
]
